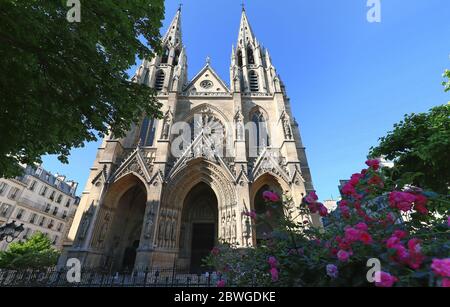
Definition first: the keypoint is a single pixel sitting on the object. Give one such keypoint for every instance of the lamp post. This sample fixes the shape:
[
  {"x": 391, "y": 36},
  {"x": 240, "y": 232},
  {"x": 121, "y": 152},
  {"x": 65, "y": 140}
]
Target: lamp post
[{"x": 10, "y": 231}]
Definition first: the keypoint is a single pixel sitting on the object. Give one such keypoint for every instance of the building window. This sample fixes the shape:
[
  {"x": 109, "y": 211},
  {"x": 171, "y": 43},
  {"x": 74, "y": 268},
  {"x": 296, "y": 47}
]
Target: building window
[
  {"x": 262, "y": 134},
  {"x": 47, "y": 208},
  {"x": 52, "y": 195},
  {"x": 240, "y": 58},
  {"x": 43, "y": 191},
  {"x": 59, "y": 199},
  {"x": 64, "y": 214},
  {"x": 51, "y": 224},
  {"x": 55, "y": 240},
  {"x": 33, "y": 185},
  {"x": 147, "y": 77},
  {"x": 165, "y": 56},
  {"x": 253, "y": 79},
  {"x": 177, "y": 58},
  {"x": 68, "y": 203},
  {"x": 33, "y": 218},
  {"x": 60, "y": 225},
  {"x": 5, "y": 209},
  {"x": 19, "y": 214},
  {"x": 250, "y": 57},
  {"x": 13, "y": 193},
  {"x": 159, "y": 80},
  {"x": 41, "y": 222},
  {"x": 148, "y": 131},
  {"x": 55, "y": 211}
]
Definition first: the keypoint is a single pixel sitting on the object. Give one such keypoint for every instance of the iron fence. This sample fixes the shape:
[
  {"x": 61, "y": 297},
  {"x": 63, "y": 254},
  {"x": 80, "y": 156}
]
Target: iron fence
[{"x": 54, "y": 277}]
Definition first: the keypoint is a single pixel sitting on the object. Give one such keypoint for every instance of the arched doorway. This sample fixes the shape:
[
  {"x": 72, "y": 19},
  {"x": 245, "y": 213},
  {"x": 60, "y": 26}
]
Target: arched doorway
[
  {"x": 125, "y": 232},
  {"x": 199, "y": 230}
]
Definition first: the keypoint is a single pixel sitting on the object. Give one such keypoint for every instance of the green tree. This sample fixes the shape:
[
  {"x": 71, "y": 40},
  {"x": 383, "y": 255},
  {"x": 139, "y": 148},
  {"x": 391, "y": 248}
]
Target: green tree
[
  {"x": 36, "y": 252},
  {"x": 420, "y": 145},
  {"x": 64, "y": 83},
  {"x": 447, "y": 83}
]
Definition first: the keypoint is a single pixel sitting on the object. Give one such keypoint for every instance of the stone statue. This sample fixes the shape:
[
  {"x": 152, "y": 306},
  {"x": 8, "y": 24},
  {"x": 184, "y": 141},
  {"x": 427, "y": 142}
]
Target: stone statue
[
  {"x": 85, "y": 223},
  {"x": 149, "y": 221},
  {"x": 104, "y": 229},
  {"x": 287, "y": 128},
  {"x": 239, "y": 125}
]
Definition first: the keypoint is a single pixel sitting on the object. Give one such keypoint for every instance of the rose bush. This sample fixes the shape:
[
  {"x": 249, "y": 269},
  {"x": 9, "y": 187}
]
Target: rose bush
[{"x": 405, "y": 228}]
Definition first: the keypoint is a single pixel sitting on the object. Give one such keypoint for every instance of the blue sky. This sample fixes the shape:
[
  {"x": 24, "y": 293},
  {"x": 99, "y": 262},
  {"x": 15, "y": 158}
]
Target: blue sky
[{"x": 349, "y": 80}]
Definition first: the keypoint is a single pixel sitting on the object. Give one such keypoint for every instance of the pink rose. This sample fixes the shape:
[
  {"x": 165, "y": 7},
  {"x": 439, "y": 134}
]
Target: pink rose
[
  {"x": 365, "y": 238},
  {"x": 351, "y": 234},
  {"x": 274, "y": 273},
  {"x": 348, "y": 189},
  {"x": 374, "y": 164},
  {"x": 361, "y": 226},
  {"x": 271, "y": 196},
  {"x": 311, "y": 197},
  {"x": 323, "y": 211},
  {"x": 446, "y": 282},
  {"x": 221, "y": 283},
  {"x": 401, "y": 200},
  {"x": 343, "y": 256},
  {"x": 400, "y": 234},
  {"x": 415, "y": 254},
  {"x": 272, "y": 262},
  {"x": 392, "y": 242},
  {"x": 383, "y": 279},
  {"x": 448, "y": 221},
  {"x": 354, "y": 180},
  {"x": 441, "y": 267}
]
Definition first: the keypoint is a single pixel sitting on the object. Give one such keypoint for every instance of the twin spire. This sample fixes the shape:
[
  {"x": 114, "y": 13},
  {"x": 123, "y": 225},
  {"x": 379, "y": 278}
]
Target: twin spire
[
  {"x": 251, "y": 68},
  {"x": 174, "y": 34}
]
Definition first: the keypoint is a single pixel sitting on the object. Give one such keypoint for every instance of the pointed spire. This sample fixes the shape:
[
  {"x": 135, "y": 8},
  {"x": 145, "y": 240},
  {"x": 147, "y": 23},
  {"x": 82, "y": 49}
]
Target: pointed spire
[
  {"x": 173, "y": 34},
  {"x": 233, "y": 55},
  {"x": 245, "y": 30}
]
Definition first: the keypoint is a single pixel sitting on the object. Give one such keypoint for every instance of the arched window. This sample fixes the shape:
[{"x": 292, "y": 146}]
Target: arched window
[
  {"x": 147, "y": 77},
  {"x": 177, "y": 57},
  {"x": 250, "y": 57},
  {"x": 159, "y": 80},
  {"x": 240, "y": 58},
  {"x": 253, "y": 79},
  {"x": 262, "y": 134},
  {"x": 148, "y": 130},
  {"x": 165, "y": 56}
]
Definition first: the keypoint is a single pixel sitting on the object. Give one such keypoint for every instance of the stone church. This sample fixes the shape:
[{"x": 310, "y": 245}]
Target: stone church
[{"x": 158, "y": 198}]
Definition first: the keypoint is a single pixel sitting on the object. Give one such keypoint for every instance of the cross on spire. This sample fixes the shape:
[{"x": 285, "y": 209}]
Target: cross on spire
[
  {"x": 243, "y": 5},
  {"x": 180, "y": 6}
]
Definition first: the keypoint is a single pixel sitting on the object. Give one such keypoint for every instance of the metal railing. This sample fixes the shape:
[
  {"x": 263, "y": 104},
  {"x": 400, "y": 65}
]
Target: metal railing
[{"x": 53, "y": 277}]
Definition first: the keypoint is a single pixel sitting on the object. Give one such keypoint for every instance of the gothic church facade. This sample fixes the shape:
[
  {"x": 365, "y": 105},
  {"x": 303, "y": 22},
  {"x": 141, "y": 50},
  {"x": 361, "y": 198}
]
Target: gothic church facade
[{"x": 144, "y": 206}]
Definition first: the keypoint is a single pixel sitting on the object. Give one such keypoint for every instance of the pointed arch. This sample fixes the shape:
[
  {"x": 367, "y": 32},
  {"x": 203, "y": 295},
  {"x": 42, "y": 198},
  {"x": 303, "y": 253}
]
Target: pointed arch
[
  {"x": 239, "y": 56},
  {"x": 146, "y": 77},
  {"x": 266, "y": 182},
  {"x": 259, "y": 138},
  {"x": 176, "y": 59},
  {"x": 148, "y": 131},
  {"x": 250, "y": 55},
  {"x": 165, "y": 56}
]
